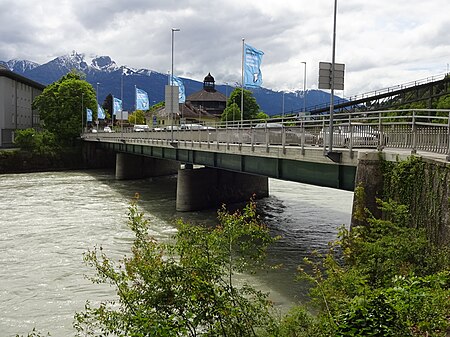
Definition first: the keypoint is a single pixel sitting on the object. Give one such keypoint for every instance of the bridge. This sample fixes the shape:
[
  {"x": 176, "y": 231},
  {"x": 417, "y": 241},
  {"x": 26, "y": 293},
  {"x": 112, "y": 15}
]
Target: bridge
[
  {"x": 424, "y": 90},
  {"x": 294, "y": 149}
]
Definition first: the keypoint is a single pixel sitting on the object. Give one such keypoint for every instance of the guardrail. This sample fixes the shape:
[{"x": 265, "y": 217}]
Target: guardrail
[{"x": 416, "y": 130}]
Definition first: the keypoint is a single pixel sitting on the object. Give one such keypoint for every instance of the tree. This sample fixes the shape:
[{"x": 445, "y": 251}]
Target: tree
[
  {"x": 184, "y": 287},
  {"x": 42, "y": 143},
  {"x": 251, "y": 107},
  {"x": 231, "y": 113},
  {"x": 137, "y": 117},
  {"x": 62, "y": 106}
]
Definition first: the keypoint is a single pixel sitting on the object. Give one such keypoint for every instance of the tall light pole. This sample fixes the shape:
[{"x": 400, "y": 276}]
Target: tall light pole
[
  {"x": 333, "y": 61},
  {"x": 304, "y": 88},
  {"x": 171, "y": 85},
  {"x": 96, "y": 97}
]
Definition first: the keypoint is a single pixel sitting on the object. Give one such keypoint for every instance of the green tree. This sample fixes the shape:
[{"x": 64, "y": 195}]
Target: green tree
[
  {"x": 137, "y": 117},
  {"x": 185, "y": 287},
  {"x": 444, "y": 102},
  {"x": 62, "y": 106},
  {"x": 231, "y": 113},
  {"x": 42, "y": 143},
  {"x": 251, "y": 107},
  {"x": 261, "y": 115}
]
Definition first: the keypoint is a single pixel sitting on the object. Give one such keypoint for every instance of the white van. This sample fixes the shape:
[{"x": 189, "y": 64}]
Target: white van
[{"x": 140, "y": 128}]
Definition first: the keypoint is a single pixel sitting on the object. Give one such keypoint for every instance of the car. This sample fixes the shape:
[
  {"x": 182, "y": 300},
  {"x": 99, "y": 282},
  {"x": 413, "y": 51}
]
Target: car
[
  {"x": 269, "y": 125},
  {"x": 141, "y": 128},
  {"x": 358, "y": 135},
  {"x": 107, "y": 129},
  {"x": 191, "y": 127}
]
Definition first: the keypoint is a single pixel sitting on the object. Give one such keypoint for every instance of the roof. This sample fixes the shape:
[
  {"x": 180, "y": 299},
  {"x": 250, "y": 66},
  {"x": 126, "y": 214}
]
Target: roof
[
  {"x": 19, "y": 78},
  {"x": 186, "y": 110},
  {"x": 205, "y": 96}
]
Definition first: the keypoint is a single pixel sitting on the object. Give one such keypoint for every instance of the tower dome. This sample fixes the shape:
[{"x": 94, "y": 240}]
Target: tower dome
[{"x": 209, "y": 83}]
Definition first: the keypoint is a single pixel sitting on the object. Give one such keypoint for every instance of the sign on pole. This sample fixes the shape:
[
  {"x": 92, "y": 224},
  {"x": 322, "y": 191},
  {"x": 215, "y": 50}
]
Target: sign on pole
[
  {"x": 171, "y": 96},
  {"x": 325, "y": 75}
]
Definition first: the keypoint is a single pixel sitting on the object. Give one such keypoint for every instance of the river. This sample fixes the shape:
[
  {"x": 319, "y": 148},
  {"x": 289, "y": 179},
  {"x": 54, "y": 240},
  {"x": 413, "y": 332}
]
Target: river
[{"x": 48, "y": 220}]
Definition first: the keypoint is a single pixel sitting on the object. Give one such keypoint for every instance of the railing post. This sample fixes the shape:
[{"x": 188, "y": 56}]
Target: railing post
[
  {"x": 380, "y": 133},
  {"x": 448, "y": 138},
  {"x": 414, "y": 134},
  {"x": 325, "y": 130},
  {"x": 350, "y": 143}
]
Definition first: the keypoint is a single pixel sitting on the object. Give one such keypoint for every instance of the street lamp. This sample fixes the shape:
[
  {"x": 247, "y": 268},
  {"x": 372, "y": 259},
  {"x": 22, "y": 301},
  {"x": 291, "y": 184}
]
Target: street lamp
[
  {"x": 171, "y": 86},
  {"x": 304, "y": 88},
  {"x": 96, "y": 97}
]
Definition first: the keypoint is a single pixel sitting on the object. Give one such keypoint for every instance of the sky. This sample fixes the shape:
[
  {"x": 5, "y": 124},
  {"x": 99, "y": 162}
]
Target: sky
[{"x": 382, "y": 43}]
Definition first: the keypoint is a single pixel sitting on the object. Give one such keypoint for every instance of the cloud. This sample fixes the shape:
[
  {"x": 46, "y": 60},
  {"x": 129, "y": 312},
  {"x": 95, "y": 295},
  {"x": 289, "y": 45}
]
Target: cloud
[{"x": 382, "y": 43}]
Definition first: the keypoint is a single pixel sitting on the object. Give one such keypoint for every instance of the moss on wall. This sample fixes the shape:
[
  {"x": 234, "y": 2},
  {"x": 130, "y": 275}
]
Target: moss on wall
[{"x": 422, "y": 185}]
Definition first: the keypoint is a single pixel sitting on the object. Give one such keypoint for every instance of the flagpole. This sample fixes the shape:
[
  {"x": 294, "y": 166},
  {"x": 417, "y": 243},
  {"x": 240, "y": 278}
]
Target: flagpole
[
  {"x": 121, "y": 97},
  {"x": 135, "y": 103},
  {"x": 242, "y": 82},
  {"x": 112, "y": 112}
]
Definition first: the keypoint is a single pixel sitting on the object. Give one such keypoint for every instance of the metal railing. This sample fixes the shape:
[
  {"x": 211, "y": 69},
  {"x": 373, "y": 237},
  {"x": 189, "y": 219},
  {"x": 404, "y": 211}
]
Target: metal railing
[{"x": 415, "y": 130}]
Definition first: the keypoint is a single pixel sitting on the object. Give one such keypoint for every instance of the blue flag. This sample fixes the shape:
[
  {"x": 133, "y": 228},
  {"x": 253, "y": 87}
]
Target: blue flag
[
  {"x": 100, "y": 112},
  {"x": 181, "y": 92},
  {"x": 252, "y": 64},
  {"x": 88, "y": 115},
  {"x": 117, "y": 105},
  {"x": 142, "y": 102}
]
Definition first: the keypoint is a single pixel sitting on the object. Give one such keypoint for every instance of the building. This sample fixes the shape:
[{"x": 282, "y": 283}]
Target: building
[
  {"x": 17, "y": 94},
  {"x": 208, "y": 100},
  {"x": 204, "y": 106}
]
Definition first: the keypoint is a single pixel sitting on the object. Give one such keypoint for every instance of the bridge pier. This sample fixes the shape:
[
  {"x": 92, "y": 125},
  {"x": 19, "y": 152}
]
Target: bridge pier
[
  {"x": 130, "y": 166},
  {"x": 204, "y": 188}
]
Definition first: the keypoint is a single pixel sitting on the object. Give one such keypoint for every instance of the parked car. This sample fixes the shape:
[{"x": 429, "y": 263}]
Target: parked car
[
  {"x": 141, "y": 128},
  {"x": 344, "y": 135},
  {"x": 107, "y": 129},
  {"x": 274, "y": 130}
]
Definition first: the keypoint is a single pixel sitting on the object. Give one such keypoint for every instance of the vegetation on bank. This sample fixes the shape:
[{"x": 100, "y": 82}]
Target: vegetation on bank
[
  {"x": 384, "y": 278},
  {"x": 55, "y": 144}
]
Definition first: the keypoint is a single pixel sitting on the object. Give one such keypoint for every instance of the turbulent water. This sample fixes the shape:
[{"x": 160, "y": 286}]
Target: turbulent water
[{"x": 48, "y": 220}]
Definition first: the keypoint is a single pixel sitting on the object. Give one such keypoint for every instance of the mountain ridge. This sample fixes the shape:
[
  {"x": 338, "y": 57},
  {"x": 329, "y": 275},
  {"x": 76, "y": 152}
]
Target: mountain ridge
[{"x": 103, "y": 73}]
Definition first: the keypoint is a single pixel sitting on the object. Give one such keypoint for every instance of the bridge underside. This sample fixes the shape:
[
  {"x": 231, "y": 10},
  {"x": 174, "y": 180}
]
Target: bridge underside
[{"x": 320, "y": 174}]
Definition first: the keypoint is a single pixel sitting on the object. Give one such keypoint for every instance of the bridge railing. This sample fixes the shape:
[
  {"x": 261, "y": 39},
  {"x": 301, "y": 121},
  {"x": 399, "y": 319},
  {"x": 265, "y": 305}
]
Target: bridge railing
[{"x": 416, "y": 130}]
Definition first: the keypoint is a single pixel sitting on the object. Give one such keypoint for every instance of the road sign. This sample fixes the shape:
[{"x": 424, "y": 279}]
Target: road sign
[{"x": 325, "y": 75}]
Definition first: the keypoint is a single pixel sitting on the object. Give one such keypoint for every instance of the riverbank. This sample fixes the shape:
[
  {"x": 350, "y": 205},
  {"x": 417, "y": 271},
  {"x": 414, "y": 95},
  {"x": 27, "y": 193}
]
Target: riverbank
[{"x": 17, "y": 161}]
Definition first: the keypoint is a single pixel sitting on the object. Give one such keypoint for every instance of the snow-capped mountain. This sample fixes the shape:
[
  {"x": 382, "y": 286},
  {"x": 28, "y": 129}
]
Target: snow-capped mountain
[
  {"x": 19, "y": 66},
  {"x": 109, "y": 78}
]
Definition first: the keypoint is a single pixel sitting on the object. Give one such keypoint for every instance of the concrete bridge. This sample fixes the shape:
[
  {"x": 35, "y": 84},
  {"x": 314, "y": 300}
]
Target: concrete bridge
[{"x": 230, "y": 161}]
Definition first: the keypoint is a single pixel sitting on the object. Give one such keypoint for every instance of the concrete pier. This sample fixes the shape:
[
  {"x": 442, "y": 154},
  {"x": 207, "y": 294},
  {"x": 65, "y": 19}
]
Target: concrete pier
[
  {"x": 204, "y": 188},
  {"x": 130, "y": 166}
]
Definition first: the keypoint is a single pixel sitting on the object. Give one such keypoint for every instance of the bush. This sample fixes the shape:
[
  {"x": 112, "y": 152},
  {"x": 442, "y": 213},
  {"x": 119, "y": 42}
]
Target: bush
[
  {"x": 41, "y": 143},
  {"x": 185, "y": 287}
]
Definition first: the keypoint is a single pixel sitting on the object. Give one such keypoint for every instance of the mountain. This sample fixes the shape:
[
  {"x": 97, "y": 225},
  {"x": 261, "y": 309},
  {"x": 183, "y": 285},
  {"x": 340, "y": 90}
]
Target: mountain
[{"x": 103, "y": 73}]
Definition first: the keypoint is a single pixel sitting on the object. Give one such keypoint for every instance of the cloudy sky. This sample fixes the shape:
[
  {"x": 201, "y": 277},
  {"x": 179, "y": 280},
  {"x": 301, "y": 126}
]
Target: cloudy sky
[{"x": 382, "y": 43}]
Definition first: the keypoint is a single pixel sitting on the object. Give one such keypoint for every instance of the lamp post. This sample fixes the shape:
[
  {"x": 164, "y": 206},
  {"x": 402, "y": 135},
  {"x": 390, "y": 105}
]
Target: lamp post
[
  {"x": 330, "y": 147},
  {"x": 304, "y": 88},
  {"x": 96, "y": 97},
  {"x": 226, "y": 104},
  {"x": 171, "y": 85}
]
